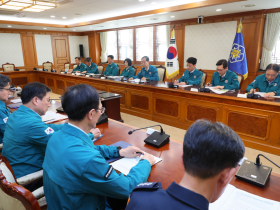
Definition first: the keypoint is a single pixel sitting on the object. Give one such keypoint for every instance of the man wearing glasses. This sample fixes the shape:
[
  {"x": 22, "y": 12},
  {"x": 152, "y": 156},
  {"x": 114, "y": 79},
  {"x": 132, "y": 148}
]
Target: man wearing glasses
[
  {"x": 76, "y": 175},
  {"x": 268, "y": 82},
  {"x": 4, "y": 111},
  {"x": 147, "y": 72}
]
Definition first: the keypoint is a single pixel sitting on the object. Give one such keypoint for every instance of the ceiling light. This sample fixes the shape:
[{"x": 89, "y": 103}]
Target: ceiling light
[
  {"x": 138, "y": 21},
  {"x": 141, "y": 0},
  {"x": 153, "y": 2},
  {"x": 218, "y": 10},
  {"x": 64, "y": 17},
  {"x": 45, "y": 28},
  {"x": 74, "y": 29},
  {"x": 173, "y": 16},
  {"x": 27, "y": 5},
  {"x": 9, "y": 26},
  {"x": 154, "y": 19},
  {"x": 90, "y": 27},
  {"x": 249, "y": 5},
  {"x": 52, "y": 16}
]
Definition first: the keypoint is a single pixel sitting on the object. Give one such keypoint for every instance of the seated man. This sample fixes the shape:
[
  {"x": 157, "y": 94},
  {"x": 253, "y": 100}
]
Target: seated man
[
  {"x": 191, "y": 76},
  {"x": 80, "y": 66},
  {"x": 128, "y": 71},
  {"x": 90, "y": 67},
  {"x": 76, "y": 176},
  {"x": 112, "y": 69},
  {"x": 4, "y": 111},
  {"x": 224, "y": 78},
  {"x": 268, "y": 82},
  {"x": 211, "y": 152},
  {"x": 147, "y": 72}
]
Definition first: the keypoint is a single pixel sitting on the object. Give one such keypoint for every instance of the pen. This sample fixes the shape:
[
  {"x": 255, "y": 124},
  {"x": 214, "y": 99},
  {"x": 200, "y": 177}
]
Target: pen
[{"x": 139, "y": 153}]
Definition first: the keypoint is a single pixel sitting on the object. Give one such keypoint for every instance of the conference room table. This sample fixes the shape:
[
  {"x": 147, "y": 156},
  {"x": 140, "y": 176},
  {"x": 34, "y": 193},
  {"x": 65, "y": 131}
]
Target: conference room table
[{"x": 255, "y": 120}]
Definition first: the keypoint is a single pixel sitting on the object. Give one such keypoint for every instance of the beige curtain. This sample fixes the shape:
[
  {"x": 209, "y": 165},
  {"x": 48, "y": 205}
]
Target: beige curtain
[
  {"x": 103, "y": 42},
  {"x": 167, "y": 35},
  {"x": 271, "y": 35}
]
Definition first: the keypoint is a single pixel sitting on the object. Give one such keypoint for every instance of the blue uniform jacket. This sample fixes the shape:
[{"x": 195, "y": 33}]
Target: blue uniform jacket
[
  {"x": 112, "y": 70},
  {"x": 25, "y": 140},
  {"x": 4, "y": 115},
  {"x": 230, "y": 80},
  {"x": 151, "y": 196},
  {"x": 262, "y": 84},
  {"x": 92, "y": 68},
  {"x": 74, "y": 174},
  {"x": 192, "y": 78},
  {"x": 80, "y": 68},
  {"x": 128, "y": 72},
  {"x": 151, "y": 74}
]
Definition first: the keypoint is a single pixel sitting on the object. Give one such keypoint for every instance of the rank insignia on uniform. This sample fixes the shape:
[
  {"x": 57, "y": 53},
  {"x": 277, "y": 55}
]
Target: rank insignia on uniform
[
  {"x": 275, "y": 84},
  {"x": 194, "y": 77},
  {"x": 49, "y": 130},
  {"x": 5, "y": 120},
  {"x": 226, "y": 81}
]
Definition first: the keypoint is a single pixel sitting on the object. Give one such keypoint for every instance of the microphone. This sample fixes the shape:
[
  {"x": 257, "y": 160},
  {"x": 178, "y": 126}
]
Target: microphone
[
  {"x": 253, "y": 95},
  {"x": 156, "y": 139},
  {"x": 161, "y": 130},
  {"x": 206, "y": 90},
  {"x": 254, "y": 172},
  {"x": 171, "y": 85}
]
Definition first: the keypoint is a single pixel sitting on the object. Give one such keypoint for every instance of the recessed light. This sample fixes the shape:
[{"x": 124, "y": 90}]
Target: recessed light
[
  {"x": 90, "y": 27},
  {"x": 52, "y": 16},
  {"x": 74, "y": 29},
  {"x": 64, "y": 17},
  {"x": 218, "y": 10},
  {"x": 45, "y": 28},
  {"x": 138, "y": 21},
  {"x": 249, "y": 5},
  {"x": 154, "y": 19},
  {"x": 9, "y": 26},
  {"x": 141, "y": 0},
  {"x": 153, "y": 2},
  {"x": 173, "y": 16}
]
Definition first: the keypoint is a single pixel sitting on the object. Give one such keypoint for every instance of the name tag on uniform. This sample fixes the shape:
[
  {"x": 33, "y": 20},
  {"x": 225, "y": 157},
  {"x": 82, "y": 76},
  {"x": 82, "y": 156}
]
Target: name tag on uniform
[
  {"x": 150, "y": 72},
  {"x": 226, "y": 81},
  {"x": 275, "y": 84},
  {"x": 49, "y": 131},
  {"x": 5, "y": 120},
  {"x": 194, "y": 77}
]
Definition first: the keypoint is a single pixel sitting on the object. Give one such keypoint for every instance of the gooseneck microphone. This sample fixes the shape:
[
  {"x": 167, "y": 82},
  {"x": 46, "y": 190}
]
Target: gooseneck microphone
[
  {"x": 253, "y": 95},
  {"x": 258, "y": 162},
  {"x": 161, "y": 130}
]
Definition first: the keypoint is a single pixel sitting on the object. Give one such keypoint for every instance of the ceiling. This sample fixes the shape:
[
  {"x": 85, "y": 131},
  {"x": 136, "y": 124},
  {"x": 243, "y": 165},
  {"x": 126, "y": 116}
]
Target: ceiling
[{"x": 78, "y": 11}]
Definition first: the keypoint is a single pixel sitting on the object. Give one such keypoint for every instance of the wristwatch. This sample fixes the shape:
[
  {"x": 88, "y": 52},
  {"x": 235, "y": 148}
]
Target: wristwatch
[
  {"x": 118, "y": 149},
  {"x": 275, "y": 92}
]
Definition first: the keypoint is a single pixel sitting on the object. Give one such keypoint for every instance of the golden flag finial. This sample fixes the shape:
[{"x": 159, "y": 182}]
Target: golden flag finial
[{"x": 239, "y": 26}]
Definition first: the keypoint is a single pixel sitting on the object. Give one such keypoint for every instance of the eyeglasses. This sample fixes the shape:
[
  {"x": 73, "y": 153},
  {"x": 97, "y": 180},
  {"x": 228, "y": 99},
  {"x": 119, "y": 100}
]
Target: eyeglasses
[
  {"x": 7, "y": 89},
  {"x": 102, "y": 110}
]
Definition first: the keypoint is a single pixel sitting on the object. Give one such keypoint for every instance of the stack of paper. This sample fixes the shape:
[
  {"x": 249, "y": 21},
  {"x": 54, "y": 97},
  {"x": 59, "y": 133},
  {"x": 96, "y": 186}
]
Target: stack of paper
[
  {"x": 52, "y": 117},
  {"x": 124, "y": 165},
  {"x": 16, "y": 101},
  {"x": 217, "y": 91},
  {"x": 262, "y": 95},
  {"x": 185, "y": 85}
]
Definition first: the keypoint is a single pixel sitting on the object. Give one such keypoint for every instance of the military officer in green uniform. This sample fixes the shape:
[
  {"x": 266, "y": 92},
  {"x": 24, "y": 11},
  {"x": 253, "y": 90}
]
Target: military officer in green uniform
[
  {"x": 80, "y": 66},
  {"x": 268, "y": 82},
  {"x": 128, "y": 71},
  {"x": 90, "y": 67},
  {"x": 112, "y": 69},
  {"x": 223, "y": 78},
  {"x": 191, "y": 76}
]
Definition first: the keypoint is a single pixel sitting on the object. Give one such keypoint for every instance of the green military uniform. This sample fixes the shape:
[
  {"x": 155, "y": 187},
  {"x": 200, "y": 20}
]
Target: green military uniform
[
  {"x": 112, "y": 70},
  {"x": 4, "y": 115},
  {"x": 192, "y": 78},
  {"x": 92, "y": 69},
  {"x": 264, "y": 86},
  {"x": 229, "y": 81},
  {"x": 128, "y": 72},
  {"x": 80, "y": 68}
]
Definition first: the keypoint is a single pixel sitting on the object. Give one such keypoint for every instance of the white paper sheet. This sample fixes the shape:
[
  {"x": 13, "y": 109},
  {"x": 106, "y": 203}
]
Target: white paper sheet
[
  {"x": 16, "y": 101},
  {"x": 262, "y": 95},
  {"x": 52, "y": 116},
  {"x": 124, "y": 165},
  {"x": 218, "y": 91},
  {"x": 185, "y": 85}
]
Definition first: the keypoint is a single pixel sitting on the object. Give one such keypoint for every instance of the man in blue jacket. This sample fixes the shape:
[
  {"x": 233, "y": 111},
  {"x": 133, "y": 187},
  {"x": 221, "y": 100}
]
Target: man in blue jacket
[
  {"x": 112, "y": 69},
  {"x": 90, "y": 66},
  {"x": 80, "y": 66},
  {"x": 147, "y": 72},
  {"x": 191, "y": 76},
  {"x": 76, "y": 175}
]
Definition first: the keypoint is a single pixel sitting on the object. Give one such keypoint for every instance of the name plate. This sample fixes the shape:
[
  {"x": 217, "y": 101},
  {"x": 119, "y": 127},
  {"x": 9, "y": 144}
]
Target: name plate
[
  {"x": 87, "y": 75},
  {"x": 194, "y": 89}
]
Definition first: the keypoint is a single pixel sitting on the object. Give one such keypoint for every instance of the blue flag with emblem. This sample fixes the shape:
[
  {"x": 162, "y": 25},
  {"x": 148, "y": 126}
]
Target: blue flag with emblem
[{"x": 237, "y": 59}]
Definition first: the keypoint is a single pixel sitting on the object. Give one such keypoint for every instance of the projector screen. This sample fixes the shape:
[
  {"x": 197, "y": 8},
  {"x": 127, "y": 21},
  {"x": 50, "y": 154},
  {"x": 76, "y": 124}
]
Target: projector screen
[{"x": 209, "y": 43}]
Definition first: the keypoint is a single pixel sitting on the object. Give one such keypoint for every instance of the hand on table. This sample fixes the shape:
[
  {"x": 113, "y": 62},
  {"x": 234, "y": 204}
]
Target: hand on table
[
  {"x": 149, "y": 158},
  {"x": 208, "y": 85},
  {"x": 84, "y": 72},
  {"x": 219, "y": 87},
  {"x": 252, "y": 90},
  {"x": 131, "y": 152},
  {"x": 267, "y": 95},
  {"x": 96, "y": 132}
]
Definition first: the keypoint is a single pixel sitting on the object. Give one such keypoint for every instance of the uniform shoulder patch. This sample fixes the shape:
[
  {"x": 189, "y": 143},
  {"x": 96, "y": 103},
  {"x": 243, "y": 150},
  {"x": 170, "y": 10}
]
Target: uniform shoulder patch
[
  {"x": 49, "y": 130},
  {"x": 108, "y": 173},
  {"x": 5, "y": 120},
  {"x": 148, "y": 186}
]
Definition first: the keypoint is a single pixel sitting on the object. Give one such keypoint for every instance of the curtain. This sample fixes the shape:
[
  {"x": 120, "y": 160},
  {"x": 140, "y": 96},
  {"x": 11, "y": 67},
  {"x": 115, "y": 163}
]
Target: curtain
[
  {"x": 168, "y": 35},
  {"x": 271, "y": 35},
  {"x": 103, "y": 42}
]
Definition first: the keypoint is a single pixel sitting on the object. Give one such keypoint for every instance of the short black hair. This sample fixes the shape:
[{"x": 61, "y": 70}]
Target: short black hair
[
  {"x": 78, "y": 100},
  {"x": 210, "y": 148},
  {"x": 111, "y": 56},
  {"x": 79, "y": 58},
  {"x": 222, "y": 62},
  {"x": 129, "y": 62},
  {"x": 4, "y": 80},
  {"x": 88, "y": 59},
  {"x": 274, "y": 67},
  {"x": 192, "y": 60},
  {"x": 34, "y": 89},
  {"x": 146, "y": 57}
]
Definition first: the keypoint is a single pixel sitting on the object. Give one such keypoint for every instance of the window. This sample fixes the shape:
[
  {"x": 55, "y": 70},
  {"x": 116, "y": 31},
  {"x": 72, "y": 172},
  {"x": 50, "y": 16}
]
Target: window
[
  {"x": 125, "y": 44},
  {"x": 161, "y": 43},
  {"x": 112, "y": 48},
  {"x": 144, "y": 43},
  {"x": 276, "y": 53}
]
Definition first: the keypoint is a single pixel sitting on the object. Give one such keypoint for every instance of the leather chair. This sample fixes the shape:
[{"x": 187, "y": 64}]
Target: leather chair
[
  {"x": 8, "y": 67},
  {"x": 240, "y": 79},
  {"x": 48, "y": 65},
  {"x": 119, "y": 69},
  {"x": 67, "y": 65},
  {"x": 100, "y": 68},
  {"x": 135, "y": 68},
  {"x": 161, "y": 72},
  {"x": 75, "y": 65},
  {"x": 204, "y": 78},
  {"x": 13, "y": 196}
]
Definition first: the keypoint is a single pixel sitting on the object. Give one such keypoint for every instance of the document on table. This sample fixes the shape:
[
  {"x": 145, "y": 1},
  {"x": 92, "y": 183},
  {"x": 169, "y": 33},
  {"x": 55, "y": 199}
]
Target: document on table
[
  {"x": 16, "y": 101},
  {"x": 262, "y": 95},
  {"x": 124, "y": 165},
  {"x": 235, "y": 199},
  {"x": 185, "y": 85},
  {"x": 52, "y": 116},
  {"x": 218, "y": 91}
]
